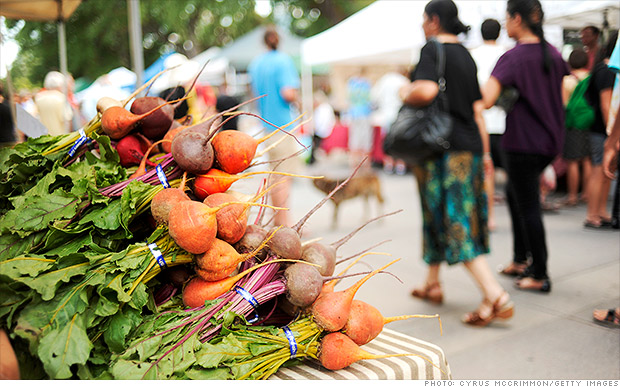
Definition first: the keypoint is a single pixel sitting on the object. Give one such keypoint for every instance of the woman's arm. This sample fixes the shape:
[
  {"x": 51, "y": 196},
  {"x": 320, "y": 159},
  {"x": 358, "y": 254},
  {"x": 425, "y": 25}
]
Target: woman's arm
[
  {"x": 610, "y": 151},
  {"x": 419, "y": 93},
  {"x": 490, "y": 92},
  {"x": 605, "y": 103},
  {"x": 478, "y": 107}
]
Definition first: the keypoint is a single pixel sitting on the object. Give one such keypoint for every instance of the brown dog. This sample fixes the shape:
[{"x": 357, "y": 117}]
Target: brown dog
[{"x": 364, "y": 184}]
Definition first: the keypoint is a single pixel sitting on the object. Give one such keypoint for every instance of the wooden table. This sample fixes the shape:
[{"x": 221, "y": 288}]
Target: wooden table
[{"x": 394, "y": 368}]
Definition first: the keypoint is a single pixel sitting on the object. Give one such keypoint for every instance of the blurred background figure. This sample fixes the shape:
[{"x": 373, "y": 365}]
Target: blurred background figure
[
  {"x": 338, "y": 140},
  {"x": 486, "y": 56},
  {"x": 599, "y": 94},
  {"x": 8, "y": 136},
  {"x": 225, "y": 102},
  {"x": 386, "y": 101},
  {"x": 273, "y": 74},
  {"x": 590, "y": 40},
  {"x": 358, "y": 116},
  {"x": 454, "y": 207},
  {"x": 537, "y": 114},
  {"x": 576, "y": 152},
  {"x": 323, "y": 122},
  {"x": 54, "y": 110},
  {"x": 174, "y": 93}
]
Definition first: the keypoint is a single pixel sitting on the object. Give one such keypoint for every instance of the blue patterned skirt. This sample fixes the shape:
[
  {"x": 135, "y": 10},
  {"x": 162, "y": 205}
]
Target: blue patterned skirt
[{"x": 454, "y": 208}]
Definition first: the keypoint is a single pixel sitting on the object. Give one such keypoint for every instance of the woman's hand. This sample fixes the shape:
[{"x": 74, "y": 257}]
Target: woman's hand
[{"x": 490, "y": 92}]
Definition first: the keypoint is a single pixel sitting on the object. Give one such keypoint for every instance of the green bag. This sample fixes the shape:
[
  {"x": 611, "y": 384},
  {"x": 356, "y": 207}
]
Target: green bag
[{"x": 579, "y": 113}]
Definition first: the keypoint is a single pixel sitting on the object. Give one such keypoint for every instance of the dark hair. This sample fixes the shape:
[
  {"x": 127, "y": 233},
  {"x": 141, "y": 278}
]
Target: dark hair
[
  {"x": 490, "y": 29},
  {"x": 225, "y": 102},
  {"x": 448, "y": 16},
  {"x": 532, "y": 15},
  {"x": 578, "y": 59},
  {"x": 271, "y": 37},
  {"x": 595, "y": 30},
  {"x": 605, "y": 51},
  {"x": 176, "y": 93}
]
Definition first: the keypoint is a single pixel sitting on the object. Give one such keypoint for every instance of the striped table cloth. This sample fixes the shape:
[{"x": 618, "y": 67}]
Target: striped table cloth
[{"x": 394, "y": 368}]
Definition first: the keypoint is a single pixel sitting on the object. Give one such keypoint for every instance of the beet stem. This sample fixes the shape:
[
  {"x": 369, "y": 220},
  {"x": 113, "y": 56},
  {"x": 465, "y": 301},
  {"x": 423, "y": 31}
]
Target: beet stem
[
  {"x": 346, "y": 238},
  {"x": 362, "y": 252}
]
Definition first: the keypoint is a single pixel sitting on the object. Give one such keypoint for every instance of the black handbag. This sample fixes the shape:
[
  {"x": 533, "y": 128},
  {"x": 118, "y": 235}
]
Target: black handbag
[{"x": 422, "y": 133}]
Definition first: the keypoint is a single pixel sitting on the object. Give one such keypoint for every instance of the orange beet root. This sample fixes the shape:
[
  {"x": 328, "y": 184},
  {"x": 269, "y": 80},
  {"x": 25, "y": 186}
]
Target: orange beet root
[
  {"x": 234, "y": 150},
  {"x": 193, "y": 226},
  {"x": 331, "y": 310},
  {"x": 338, "y": 351},
  {"x": 366, "y": 322},
  {"x": 231, "y": 220}
]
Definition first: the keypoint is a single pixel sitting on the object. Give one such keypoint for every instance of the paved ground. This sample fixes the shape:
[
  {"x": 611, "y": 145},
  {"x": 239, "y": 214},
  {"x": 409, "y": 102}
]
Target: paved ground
[{"x": 551, "y": 336}]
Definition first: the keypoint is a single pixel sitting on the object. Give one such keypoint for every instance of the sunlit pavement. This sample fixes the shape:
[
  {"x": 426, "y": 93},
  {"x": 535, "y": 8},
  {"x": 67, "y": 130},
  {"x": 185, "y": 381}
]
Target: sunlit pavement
[{"x": 551, "y": 336}]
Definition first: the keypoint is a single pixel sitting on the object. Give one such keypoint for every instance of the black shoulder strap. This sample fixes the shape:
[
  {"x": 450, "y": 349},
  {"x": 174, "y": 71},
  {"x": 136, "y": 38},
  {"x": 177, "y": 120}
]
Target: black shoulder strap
[{"x": 441, "y": 68}]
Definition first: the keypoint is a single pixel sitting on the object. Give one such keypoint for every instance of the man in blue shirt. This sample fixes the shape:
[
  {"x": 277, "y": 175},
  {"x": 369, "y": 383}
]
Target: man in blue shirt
[{"x": 274, "y": 75}]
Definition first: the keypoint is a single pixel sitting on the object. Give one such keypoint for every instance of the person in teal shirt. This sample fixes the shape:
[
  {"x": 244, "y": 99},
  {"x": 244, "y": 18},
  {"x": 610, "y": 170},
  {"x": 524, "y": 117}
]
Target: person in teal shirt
[{"x": 274, "y": 76}]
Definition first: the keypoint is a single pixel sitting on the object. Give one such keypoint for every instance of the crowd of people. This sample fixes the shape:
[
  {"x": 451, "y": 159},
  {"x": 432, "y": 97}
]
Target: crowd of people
[{"x": 534, "y": 138}]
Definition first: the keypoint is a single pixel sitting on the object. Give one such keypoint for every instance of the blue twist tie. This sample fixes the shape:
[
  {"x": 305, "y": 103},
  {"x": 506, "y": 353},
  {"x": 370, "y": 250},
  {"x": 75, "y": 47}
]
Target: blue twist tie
[
  {"x": 291, "y": 341},
  {"x": 78, "y": 142},
  {"x": 162, "y": 176},
  {"x": 157, "y": 254},
  {"x": 251, "y": 300}
]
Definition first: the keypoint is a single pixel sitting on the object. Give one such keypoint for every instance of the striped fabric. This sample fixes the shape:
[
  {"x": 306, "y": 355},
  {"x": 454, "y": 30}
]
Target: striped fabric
[{"x": 394, "y": 368}]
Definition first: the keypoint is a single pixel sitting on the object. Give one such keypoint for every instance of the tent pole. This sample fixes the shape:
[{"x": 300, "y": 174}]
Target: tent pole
[
  {"x": 135, "y": 40},
  {"x": 62, "y": 53},
  {"x": 306, "y": 90}
]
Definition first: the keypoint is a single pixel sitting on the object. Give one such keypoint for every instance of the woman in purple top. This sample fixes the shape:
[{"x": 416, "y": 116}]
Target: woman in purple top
[{"x": 534, "y": 133}]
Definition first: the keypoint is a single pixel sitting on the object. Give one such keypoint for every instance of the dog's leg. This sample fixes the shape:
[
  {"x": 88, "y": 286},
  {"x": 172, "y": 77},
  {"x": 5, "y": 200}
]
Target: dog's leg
[
  {"x": 380, "y": 201},
  {"x": 366, "y": 213},
  {"x": 335, "y": 217}
]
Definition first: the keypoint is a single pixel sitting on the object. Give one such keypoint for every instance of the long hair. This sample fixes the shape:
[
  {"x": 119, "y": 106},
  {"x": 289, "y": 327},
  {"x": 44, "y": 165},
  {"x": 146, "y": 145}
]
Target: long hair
[
  {"x": 532, "y": 15},
  {"x": 604, "y": 52},
  {"x": 448, "y": 16}
]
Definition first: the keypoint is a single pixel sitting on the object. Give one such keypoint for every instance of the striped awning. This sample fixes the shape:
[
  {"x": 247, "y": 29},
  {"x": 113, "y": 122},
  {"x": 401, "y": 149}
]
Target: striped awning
[{"x": 394, "y": 368}]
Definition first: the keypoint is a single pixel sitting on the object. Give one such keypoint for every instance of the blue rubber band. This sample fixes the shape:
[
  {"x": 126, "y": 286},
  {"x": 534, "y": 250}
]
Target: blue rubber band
[
  {"x": 158, "y": 256},
  {"x": 78, "y": 143},
  {"x": 251, "y": 300},
  {"x": 162, "y": 176},
  {"x": 291, "y": 341}
]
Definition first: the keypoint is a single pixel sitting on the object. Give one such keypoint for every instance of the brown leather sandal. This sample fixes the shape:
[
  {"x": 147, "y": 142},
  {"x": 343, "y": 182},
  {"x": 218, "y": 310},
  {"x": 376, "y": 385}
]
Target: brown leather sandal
[
  {"x": 502, "y": 311},
  {"x": 430, "y": 292},
  {"x": 513, "y": 269}
]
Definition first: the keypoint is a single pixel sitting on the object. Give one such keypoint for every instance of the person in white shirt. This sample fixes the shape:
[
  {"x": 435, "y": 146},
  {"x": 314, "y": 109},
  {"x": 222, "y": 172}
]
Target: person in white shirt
[
  {"x": 324, "y": 120},
  {"x": 386, "y": 100},
  {"x": 53, "y": 108},
  {"x": 485, "y": 56}
]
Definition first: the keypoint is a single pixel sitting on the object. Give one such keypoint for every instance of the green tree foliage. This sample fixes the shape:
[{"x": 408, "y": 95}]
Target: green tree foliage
[
  {"x": 98, "y": 34},
  {"x": 309, "y": 17}
]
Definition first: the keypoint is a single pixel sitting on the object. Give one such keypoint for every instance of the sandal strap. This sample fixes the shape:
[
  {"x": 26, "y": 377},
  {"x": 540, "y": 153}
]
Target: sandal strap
[
  {"x": 496, "y": 305},
  {"x": 611, "y": 315}
]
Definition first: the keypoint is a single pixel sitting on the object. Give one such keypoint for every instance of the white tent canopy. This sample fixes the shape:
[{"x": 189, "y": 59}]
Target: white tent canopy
[
  {"x": 576, "y": 14},
  {"x": 390, "y": 31}
]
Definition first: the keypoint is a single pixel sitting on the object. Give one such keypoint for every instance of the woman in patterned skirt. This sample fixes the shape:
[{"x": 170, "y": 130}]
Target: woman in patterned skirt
[{"x": 454, "y": 205}]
